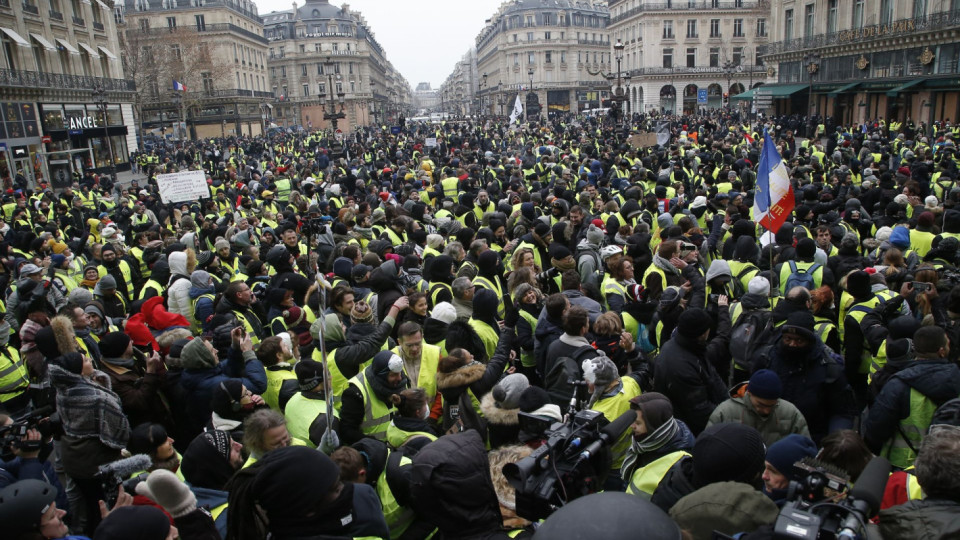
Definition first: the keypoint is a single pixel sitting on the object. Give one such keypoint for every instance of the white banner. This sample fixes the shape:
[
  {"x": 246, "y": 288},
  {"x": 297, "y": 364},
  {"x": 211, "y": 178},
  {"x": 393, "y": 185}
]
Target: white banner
[
  {"x": 430, "y": 141},
  {"x": 517, "y": 110},
  {"x": 183, "y": 186}
]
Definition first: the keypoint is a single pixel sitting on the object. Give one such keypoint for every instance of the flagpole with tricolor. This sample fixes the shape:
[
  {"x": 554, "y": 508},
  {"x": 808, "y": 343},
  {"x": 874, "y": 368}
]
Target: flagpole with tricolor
[
  {"x": 773, "y": 197},
  {"x": 179, "y": 86}
]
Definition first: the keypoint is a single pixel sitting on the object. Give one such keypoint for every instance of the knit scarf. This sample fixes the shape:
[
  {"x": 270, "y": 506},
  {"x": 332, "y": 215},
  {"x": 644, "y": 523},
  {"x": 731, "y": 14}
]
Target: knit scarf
[
  {"x": 665, "y": 265},
  {"x": 653, "y": 441},
  {"x": 383, "y": 391},
  {"x": 90, "y": 409}
]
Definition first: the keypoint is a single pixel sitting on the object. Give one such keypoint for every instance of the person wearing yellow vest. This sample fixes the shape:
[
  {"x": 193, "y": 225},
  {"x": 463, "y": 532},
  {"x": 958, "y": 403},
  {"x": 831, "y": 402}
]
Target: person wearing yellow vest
[
  {"x": 898, "y": 420},
  {"x": 282, "y": 384},
  {"x": 610, "y": 394},
  {"x": 366, "y": 405},
  {"x": 265, "y": 430},
  {"x": 857, "y": 355},
  {"x": 420, "y": 360},
  {"x": 658, "y": 442},
  {"x": 14, "y": 377},
  {"x": 120, "y": 269},
  {"x": 411, "y": 422},
  {"x": 462, "y": 381},
  {"x": 484, "y": 319},
  {"x": 61, "y": 277},
  {"x": 237, "y": 299},
  {"x": 306, "y": 412}
]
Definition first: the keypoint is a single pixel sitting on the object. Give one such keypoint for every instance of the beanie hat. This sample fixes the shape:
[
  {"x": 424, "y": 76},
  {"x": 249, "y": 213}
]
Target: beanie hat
[
  {"x": 789, "y": 450},
  {"x": 806, "y": 247},
  {"x": 559, "y": 251},
  {"x": 293, "y": 316},
  {"x": 506, "y": 394},
  {"x": 594, "y": 235},
  {"x": 177, "y": 348},
  {"x": 134, "y": 522},
  {"x": 57, "y": 260},
  {"x": 226, "y": 397},
  {"x": 200, "y": 279},
  {"x": 146, "y": 438},
  {"x": 309, "y": 374},
  {"x": 765, "y": 384},
  {"x": 107, "y": 282},
  {"x": 536, "y": 401},
  {"x": 900, "y": 237},
  {"x": 57, "y": 247},
  {"x": 883, "y": 234},
  {"x": 693, "y": 323},
  {"x": 850, "y": 241},
  {"x": 899, "y": 350},
  {"x": 164, "y": 488},
  {"x": 444, "y": 312},
  {"x": 72, "y": 362},
  {"x": 670, "y": 296},
  {"x": 541, "y": 229},
  {"x": 903, "y": 327},
  {"x": 80, "y": 296},
  {"x": 204, "y": 258},
  {"x": 925, "y": 219},
  {"x": 858, "y": 284},
  {"x": 800, "y": 323},
  {"x": 361, "y": 312},
  {"x": 728, "y": 452},
  {"x": 656, "y": 409},
  {"x": 758, "y": 285},
  {"x": 114, "y": 344},
  {"x": 599, "y": 371},
  {"x": 385, "y": 362},
  {"x": 221, "y": 243}
]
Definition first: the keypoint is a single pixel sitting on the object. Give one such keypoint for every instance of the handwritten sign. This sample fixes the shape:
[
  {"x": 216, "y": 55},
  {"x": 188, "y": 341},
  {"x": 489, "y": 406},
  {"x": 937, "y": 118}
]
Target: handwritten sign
[
  {"x": 183, "y": 186},
  {"x": 430, "y": 141},
  {"x": 643, "y": 140}
]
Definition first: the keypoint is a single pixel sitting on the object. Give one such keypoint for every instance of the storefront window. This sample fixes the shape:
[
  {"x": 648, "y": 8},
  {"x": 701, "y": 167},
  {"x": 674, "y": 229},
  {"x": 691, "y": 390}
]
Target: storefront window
[
  {"x": 101, "y": 151},
  {"x": 52, "y": 117},
  {"x": 114, "y": 118},
  {"x": 73, "y": 112}
]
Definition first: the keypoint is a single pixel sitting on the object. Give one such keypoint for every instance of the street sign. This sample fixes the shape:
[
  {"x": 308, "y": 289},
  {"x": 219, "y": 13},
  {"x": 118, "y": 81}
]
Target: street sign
[
  {"x": 702, "y": 95},
  {"x": 395, "y": 130},
  {"x": 3, "y": 147},
  {"x": 46, "y": 139}
]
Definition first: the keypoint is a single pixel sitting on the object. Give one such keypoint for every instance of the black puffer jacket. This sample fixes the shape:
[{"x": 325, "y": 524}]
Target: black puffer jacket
[
  {"x": 385, "y": 281},
  {"x": 363, "y": 341},
  {"x": 450, "y": 482}
]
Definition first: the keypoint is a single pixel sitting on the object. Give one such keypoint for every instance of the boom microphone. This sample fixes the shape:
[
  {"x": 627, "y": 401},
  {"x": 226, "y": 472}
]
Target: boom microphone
[
  {"x": 122, "y": 468},
  {"x": 610, "y": 433},
  {"x": 866, "y": 495}
]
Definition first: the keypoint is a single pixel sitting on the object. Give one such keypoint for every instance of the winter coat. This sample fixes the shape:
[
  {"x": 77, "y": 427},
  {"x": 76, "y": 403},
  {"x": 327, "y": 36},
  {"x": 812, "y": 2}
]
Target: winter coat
[
  {"x": 930, "y": 519},
  {"x": 815, "y": 384},
  {"x": 478, "y": 379},
  {"x": 503, "y": 425},
  {"x": 726, "y": 507},
  {"x": 782, "y": 421},
  {"x": 199, "y": 381},
  {"x": 204, "y": 307},
  {"x": 178, "y": 292},
  {"x": 450, "y": 482},
  {"x": 385, "y": 281},
  {"x": 676, "y": 484},
  {"x": 363, "y": 342},
  {"x": 937, "y": 379},
  {"x": 140, "y": 394},
  {"x": 685, "y": 373}
]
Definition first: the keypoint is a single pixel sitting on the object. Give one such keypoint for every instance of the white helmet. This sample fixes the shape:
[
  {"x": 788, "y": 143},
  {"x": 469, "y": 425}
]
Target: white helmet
[{"x": 610, "y": 251}]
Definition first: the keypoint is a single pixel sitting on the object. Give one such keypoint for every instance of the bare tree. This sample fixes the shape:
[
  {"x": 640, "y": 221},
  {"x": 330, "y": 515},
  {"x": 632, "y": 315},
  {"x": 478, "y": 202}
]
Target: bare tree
[
  {"x": 141, "y": 65},
  {"x": 192, "y": 59}
]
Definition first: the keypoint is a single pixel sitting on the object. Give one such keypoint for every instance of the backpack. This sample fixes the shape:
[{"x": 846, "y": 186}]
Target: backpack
[
  {"x": 595, "y": 277},
  {"x": 801, "y": 278},
  {"x": 737, "y": 284},
  {"x": 752, "y": 329},
  {"x": 560, "y": 378}
]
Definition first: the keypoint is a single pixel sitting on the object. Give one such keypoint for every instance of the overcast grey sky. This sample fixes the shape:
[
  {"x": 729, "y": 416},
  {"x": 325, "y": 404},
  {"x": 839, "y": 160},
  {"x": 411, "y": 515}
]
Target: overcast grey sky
[{"x": 422, "y": 38}]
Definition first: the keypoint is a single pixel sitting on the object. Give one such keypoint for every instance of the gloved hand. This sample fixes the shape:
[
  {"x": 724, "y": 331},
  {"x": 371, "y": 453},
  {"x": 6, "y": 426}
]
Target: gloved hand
[
  {"x": 511, "y": 317},
  {"x": 329, "y": 442}
]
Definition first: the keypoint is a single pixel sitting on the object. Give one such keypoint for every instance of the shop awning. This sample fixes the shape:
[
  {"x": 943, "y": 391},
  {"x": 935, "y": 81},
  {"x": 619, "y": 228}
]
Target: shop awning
[
  {"x": 894, "y": 92},
  {"x": 786, "y": 90},
  {"x": 90, "y": 50},
  {"x": 744, "y": 96},
  {"x": 107, "y": 52},
  {"x": 843, "y": 89},
  {"x": 43, "y": 42},
  {"x": 66, "y": 45},
  {"x": 15, "y": 37}
]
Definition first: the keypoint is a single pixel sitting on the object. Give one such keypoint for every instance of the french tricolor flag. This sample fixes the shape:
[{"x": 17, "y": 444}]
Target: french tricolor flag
[
  {"x": 773, "y": 199},
  {"x": 177, "y": 85}
]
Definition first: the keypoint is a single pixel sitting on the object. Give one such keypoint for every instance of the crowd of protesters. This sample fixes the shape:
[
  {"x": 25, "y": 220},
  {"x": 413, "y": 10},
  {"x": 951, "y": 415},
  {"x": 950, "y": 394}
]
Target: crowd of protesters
[{"x": 349, "y": 336}]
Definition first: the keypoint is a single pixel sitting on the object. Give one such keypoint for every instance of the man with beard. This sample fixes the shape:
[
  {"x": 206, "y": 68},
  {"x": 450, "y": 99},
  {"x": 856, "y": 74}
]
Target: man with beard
[
  {"x": 153, "y": 440},
  {"x": 282, "y": 260},
  {"x": 138, "y": 384},
  {"x": 120, "y": 269},
  {"x": 207, "y": 464},
  {"x": 482, "y": 205},
  {"x": 812, "y": 376},
  {"x": 365, "y": 406}
]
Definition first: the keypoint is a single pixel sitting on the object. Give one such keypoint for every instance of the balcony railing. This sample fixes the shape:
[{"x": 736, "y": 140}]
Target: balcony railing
[
  {"x": 230, "y": 92},
  {"x": 32, "y": 9},
  {"x": 78, "y": 21},
  {"x": 55, "y": 15},
  {"x": 683, "y": 70},
  {"x": 34, "y": 79},
  {"x": 98, "y": 26},
  {"x": 217, "y": 27},
  {"x": 680, "y": 5},
  {"x": 900, "y": 27},
  {"x": 593, "y": 42}
]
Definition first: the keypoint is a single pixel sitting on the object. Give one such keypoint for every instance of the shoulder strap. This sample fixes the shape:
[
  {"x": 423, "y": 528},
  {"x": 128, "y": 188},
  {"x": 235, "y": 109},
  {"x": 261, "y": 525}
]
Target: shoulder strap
[
  {"x": 793, "y": 266},
  {"x": 396, "y": 480},
  {"x": 746, "y": 270}
]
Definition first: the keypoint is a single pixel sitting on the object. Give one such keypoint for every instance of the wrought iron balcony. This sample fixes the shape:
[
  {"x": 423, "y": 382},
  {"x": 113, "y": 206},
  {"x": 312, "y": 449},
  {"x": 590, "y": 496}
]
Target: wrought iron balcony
[
  {"x": 32, "y": 9},
  {"x": 78, "y": 21},
  {"x": 34, "y": 79},
  {"x": 689, "y": 5},
  {"x": 55, "y": 15}
]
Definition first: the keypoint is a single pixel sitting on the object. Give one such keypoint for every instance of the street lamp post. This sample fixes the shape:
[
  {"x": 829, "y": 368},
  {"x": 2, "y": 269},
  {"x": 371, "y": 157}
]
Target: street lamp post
[
  {"x": 619, "y": 92},
  {"x": 100, "y": 97},
  {"x": 335, "y": 98},
  {"x": 729, "y": 67},
  {"x": 177, "y": 100},
  {"x": 812, "y": 61}
]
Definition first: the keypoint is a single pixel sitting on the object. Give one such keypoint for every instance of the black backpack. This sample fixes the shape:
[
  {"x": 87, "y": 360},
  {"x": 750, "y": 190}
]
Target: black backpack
[
  {"x": 737, "y": 284},
  {"x": 560, "y": 378},
  {"x": 747, "y": 335}
]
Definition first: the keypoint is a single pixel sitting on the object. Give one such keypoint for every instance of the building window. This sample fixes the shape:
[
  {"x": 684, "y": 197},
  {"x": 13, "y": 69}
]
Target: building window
[
  {"x": 563, "y": 57},
  {"x": 737, "y": 55},
  {"x": 303, "y": 70},
  {"x": 546, "y": 36},
  {"x": 714, "y": 56},
  {"x": 668, "y": 58},
  {"x": 336, "y": 46},
  {"x": 692, "y": 28},
  {"x": 691, "y": 58},
  {"x": 667, "y": 29},
  {"x": 201, "y": 23},
  {"x": 514, "y": 38},
  {"x": 207, "y": 80},
  {"x": 886, "y": 11},
  {"x": 171, "y": 22},
  {"x": 808, "y": 20},
  {"x": 920, "y": 8},
  {"x": 303, "y": 48},
  {"x": 529, "y": 20},
  {"x": 306, "y": 90},
  {"x": 714, "y": 28},
  {"x": 858, "y": 13},
  {"x": 548, "y": 57},
  {"x": 738, "y": 28},
  {"x": 516, "y": 59},
  {"x": 529, "y": 36},
  {"x": 548, "y": 19},
  {"x": 530, "y": 58},
  {"x": 788, "y": 25},
  {"x": 283, "y": 72},
  {"x": 144, "y": 24},
  {"x": 761, "y": 28},
  {"x": 319, "y": 68},
  {"x": 832, "y": 16}
]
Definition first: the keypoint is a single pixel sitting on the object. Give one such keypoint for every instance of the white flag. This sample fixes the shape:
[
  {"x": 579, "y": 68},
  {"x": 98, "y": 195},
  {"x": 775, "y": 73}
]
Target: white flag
[{"x": 517, "y": 110}]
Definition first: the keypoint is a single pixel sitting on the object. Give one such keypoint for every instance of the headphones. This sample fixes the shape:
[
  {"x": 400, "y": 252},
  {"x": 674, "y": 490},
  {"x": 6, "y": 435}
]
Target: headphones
[{"x": 235, "y": 405}]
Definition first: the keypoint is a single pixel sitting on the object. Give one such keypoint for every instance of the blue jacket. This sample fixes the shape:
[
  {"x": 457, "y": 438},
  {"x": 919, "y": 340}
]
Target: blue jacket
[
  {"x": 210, "y": 499},
  {"x": 22, "y": 469},
  {"x": 199, "y": 383}
]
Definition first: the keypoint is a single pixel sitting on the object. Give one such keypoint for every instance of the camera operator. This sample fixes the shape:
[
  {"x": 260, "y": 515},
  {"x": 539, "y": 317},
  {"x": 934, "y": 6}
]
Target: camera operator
[{"x": 27, "y": 458}]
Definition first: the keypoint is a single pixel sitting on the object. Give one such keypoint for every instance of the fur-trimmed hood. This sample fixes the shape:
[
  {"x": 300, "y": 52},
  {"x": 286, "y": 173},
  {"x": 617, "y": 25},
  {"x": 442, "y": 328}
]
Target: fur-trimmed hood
[
  {"x": 497, "y": 415},
  {"x": 463, "y": 376}
]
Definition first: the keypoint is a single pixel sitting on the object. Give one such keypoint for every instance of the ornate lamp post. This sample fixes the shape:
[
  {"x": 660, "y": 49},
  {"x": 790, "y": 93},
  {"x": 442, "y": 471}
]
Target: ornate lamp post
[
  {"x": 333, "y": 98},
  {"x": 100, "y": 97}
]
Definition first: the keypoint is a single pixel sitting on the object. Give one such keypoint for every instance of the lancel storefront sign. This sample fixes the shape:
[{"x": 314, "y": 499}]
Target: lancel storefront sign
[{"x": 82, "y": 122}]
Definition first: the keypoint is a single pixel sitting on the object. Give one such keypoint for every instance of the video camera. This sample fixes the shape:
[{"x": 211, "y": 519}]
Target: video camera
[
  {"x": 11, "y": 436},
  {"x": 811, "y": 512},
  {"x": 573, "y": 462},
  {"x": 120, "y": 473}
]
